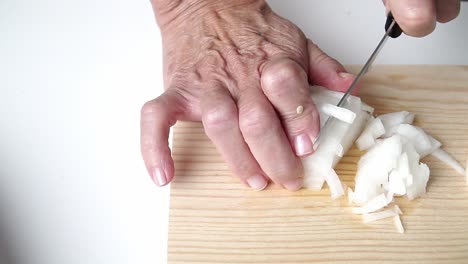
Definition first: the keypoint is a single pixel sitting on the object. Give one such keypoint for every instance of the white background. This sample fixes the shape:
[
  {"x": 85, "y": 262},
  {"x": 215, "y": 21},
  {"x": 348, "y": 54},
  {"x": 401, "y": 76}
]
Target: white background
[{"x": 73, "y": 76}]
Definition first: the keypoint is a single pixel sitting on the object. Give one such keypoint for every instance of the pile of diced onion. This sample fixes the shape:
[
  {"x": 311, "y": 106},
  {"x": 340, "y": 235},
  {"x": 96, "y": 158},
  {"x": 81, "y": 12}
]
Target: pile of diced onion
[{"x": 391, "y": 165}]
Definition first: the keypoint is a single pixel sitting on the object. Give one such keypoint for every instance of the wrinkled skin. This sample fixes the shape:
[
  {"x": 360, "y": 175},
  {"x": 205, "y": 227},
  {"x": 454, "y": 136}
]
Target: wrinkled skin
[{"x": 242, "y": 70}]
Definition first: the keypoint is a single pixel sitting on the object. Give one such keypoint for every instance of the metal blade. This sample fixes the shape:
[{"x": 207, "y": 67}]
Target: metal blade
[{"x": 363, "y": 71}]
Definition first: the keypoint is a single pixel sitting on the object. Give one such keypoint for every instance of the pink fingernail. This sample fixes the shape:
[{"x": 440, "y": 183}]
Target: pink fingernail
[
  {"x": 159, "y": 177},
  {"x": 257, "y": 182},
  {"x": 294, "y": 185},
  {"x": 345, "y": 75},
  {"x": 303, "y": 145}
]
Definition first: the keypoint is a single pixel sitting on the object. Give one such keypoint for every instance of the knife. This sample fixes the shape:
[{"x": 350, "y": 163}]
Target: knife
[{"x": 393, "y": 30}]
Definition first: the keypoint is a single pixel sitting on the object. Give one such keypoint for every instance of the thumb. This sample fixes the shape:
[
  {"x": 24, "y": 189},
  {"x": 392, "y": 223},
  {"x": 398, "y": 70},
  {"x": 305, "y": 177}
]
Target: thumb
[
  {"x": 157, "y": 117},
  {"x": 326, "y": 71}
]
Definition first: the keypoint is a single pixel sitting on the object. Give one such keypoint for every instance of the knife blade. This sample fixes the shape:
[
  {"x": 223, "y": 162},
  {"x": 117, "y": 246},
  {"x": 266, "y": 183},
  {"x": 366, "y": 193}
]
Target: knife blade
[{"x": 393, "y": 30}]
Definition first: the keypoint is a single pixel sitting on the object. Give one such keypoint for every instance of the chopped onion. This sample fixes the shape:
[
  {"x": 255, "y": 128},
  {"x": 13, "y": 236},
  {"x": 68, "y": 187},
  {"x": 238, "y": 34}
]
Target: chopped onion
[
  {"x": 367, "y": 218},
  {"x": 443, "y": 156},
  {"x": 389, "y": 197},
  {"x": 391, "y": 166},
  {"x": 355, "y": 129},
  {"x": 466, "y": 173},
  {"x": 314, "y": 183},
  {"x": 339, "y": 113},
  {"x": 391, "y": 121},
  {"x": 373, "y": 130},
  {"x": 373, "y": 205},
  {"x": 334, "y": 183},
  {"x": 350, "y": 196},
  {"x": 397, "y": 209},
  {"x": 374, "y": 167},
  {"x": 396, "y": 184},
  {"x": 423, "y": 143},
  {"x": 339, "y": 151},
  {"x": 398, "y": 225},
  {"x": 421, "y": 176},
  {"x": 336, "y": 139},
  {"x": 367, "y": 108}
]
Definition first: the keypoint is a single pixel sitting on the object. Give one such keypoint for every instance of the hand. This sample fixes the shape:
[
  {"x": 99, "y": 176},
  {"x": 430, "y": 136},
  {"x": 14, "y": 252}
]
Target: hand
[
  {"x": 242, "y": 70},
  {"x": 418, "y": 18}
]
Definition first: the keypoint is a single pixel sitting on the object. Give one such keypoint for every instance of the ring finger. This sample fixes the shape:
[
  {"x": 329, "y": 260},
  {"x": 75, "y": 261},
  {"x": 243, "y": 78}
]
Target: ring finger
[{"x": 221, "y": 122}]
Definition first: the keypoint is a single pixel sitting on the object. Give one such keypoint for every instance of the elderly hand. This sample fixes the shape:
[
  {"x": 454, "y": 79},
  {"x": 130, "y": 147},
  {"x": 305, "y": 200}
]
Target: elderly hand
[
  {"x": 243, "y": 71},
  {"x": 418, "y": 18}
]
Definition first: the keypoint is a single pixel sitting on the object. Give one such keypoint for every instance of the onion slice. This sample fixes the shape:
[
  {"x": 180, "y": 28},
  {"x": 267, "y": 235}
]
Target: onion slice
[
  {"x": 350, "y": 196},
  {"x": 373, "y": 130},
  {"x": 422, "y": 142},
  {"x": 446, "y": 158},
  {"x": 391, "y": 212},
  {"x": 466, "y": 173},
  {"x": 398, "y": 225},
  {"x": 339, "y": 113},
  {"x": 373, "y": 205},
  {"x": 391, "y": 121},
  {"x": 334, "y": 183}
]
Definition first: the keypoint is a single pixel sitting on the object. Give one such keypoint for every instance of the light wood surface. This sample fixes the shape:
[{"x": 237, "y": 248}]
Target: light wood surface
[{"x": 215, "y": 219}]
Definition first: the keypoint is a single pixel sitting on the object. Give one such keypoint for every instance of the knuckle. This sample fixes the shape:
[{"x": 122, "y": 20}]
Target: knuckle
[
  {"x": 155, "y": 106},
  {"x": 256, "y": 122},
  {"x": 243, "y": 168},
  {"x": 219, "y": 118},
  {"x": 288, "y": 171},
  {"x": 276, "y": 77},
  {"x": 149, "y": 107}
]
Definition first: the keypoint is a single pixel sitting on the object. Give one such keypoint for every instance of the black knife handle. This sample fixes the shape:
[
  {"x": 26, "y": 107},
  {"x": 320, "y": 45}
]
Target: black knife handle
[{"x": 396, "y": 30}]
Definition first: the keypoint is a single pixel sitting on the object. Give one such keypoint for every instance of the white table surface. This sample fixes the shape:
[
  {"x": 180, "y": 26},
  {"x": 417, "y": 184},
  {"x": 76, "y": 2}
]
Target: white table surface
[{"x": 73, "y": 76}]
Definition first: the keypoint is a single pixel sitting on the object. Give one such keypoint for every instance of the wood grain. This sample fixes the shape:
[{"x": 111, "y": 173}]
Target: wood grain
[{"x": 215, "y": 219}]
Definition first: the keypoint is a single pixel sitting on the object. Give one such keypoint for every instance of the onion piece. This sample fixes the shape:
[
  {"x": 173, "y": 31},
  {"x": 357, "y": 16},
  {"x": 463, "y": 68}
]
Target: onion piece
[
  {"x": 421, "y": 176},
  {"x": 355, "y": 129},
  {"x": 446, "y": 158},
  {"x": 397, "y": 209},
  {"x": 334, "y": 183},
  {"x": 389, "y": 197},
  {"x": 373, "y": 205},
  {"x": 423, "y": 143},
  {"x": 350, "y": 196},
  {"x": 365, "y": 141},
  {"x": 367, "y": 218},
  {"x": 339, "y": 151},
  {"x": 466, "y": 173},
  {"x": 391, "y": 121},
  {"x": 373, "y": 130},
  {"x": 367, "y": 108},
  {"x": 314, "y": 183},
  {"x": 374, "y": 167},
  {"x": 339, "y": 113},
  {"x": 398, "y": 225},
  {"x": 338, "y": 135},
  {"x": 396, "y": 184}
]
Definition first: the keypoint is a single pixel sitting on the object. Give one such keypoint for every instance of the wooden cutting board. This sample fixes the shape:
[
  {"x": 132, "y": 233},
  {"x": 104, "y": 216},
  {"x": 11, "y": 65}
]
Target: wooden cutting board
[{"x": 215, "y": 219}]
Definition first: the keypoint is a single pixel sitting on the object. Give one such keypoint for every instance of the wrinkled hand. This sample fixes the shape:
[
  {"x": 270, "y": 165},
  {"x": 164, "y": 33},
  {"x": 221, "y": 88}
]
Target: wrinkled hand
[
  {"x": 418, "y": 18},
  {"x": 243, "y": 71}
]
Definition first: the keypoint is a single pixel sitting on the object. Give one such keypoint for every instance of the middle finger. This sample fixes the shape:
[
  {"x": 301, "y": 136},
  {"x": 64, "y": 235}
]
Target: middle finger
[{"x": 264, "y": 134}]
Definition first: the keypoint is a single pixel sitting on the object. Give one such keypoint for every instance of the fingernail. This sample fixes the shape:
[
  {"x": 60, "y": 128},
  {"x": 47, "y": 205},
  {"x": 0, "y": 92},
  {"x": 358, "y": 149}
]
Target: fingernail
[
  {"x": 159, "y": 177},
  {"x": 345, "y": 75},
  {"x": 294, "y": 185},
  {"x": 257, "y": 182},
  {"x": 303, "y": 145}
]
